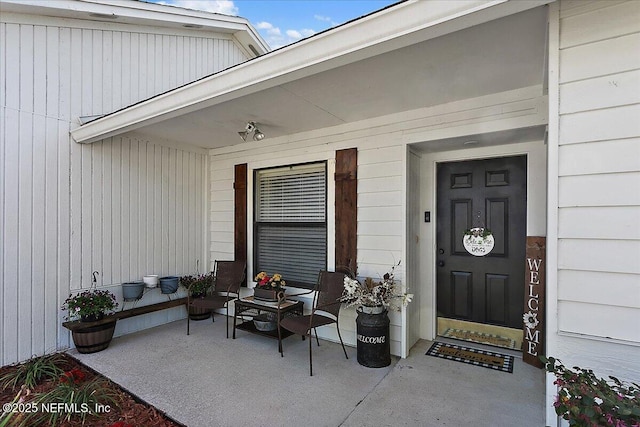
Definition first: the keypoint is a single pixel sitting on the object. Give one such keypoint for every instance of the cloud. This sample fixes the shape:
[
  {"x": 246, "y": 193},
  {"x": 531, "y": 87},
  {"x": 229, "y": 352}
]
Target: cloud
[
  {"x": 225, "y": 7},
  {"x": 307, "y": 32},
  {"x": 299, "y": 34},
  {"x": 268, "y": 28},
  {"x": 277, "y": 38},
  {"x": 324, "y": 18}
]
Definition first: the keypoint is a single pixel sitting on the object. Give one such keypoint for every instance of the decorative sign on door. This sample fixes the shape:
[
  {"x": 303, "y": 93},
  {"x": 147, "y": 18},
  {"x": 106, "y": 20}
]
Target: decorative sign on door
[
  {"x": 478, "y": 241},
  {"x": 533, "y": 317}
]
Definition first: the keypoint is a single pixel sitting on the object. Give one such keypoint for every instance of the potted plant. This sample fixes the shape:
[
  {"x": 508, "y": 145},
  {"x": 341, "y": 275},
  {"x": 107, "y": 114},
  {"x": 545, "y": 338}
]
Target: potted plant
[
  {"x": 269, "y": 288},
  {"x": 373, "y": 299},
  {"x": 198, "y": 286},
  {"x": 93, "y": 332},
  {"x": 89, "y": 305},
  {"x": 587, "y": 401}
]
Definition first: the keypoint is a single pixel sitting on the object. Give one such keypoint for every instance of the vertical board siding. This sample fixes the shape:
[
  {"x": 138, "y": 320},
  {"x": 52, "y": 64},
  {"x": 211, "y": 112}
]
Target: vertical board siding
[
  {"x": 379, "y": 245},
  {"x": 110, "y": 69},
  {"x": 124, "y": 206},
  {"x": 598, "y": 217},
  {"x": 122, "y": 198}
]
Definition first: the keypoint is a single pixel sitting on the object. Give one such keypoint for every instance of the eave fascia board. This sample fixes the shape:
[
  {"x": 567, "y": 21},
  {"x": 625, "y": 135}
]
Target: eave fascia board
[{"x": 392, "y": 28}]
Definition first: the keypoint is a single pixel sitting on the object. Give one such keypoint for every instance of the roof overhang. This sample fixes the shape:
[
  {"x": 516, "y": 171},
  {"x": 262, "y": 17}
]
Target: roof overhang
[
  {"x": 142, "y": 13},
  {"x": 389, "y": 30}
]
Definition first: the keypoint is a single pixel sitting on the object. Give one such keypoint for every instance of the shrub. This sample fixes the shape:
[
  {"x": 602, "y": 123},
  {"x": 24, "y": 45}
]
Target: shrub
[{"x": 588, "y": 401}]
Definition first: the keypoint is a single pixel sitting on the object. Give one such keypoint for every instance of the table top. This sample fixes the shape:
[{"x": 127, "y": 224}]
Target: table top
[{"x": 287, "y": 304}]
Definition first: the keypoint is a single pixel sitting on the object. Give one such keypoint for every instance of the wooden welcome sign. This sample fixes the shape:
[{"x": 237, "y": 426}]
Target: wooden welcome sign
[{"x": 534, "y": 306}]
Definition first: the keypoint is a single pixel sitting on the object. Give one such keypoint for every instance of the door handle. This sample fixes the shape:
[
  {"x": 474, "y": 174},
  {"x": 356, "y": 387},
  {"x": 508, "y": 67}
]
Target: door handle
[{"x": 441, "y": 263}]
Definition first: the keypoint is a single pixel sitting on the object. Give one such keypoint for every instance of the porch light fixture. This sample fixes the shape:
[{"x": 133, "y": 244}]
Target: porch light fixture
[{"x": 251, "y": 127}]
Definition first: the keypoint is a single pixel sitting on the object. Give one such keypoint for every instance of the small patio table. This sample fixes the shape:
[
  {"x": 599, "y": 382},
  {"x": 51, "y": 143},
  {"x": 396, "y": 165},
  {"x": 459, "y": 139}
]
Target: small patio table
[{"x": 251, "y": 307}]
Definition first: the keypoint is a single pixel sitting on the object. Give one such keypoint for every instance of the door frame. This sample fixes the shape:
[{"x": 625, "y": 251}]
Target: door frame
[{"x": 536, "y": 211}]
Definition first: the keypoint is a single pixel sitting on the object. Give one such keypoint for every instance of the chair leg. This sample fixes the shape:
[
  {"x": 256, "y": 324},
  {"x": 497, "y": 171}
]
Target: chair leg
[
  {"x": 317, "y": 340},
  {"x": 188, "y": 318},
  {"x": 310, "y": 357},
  {"x": 227, "y": 321},
  {"x": 339, "y": 336}
]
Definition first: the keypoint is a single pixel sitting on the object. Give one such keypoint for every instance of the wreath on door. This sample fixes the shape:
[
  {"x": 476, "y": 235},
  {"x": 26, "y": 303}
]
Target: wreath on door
[{"x": 478, "y": 241}]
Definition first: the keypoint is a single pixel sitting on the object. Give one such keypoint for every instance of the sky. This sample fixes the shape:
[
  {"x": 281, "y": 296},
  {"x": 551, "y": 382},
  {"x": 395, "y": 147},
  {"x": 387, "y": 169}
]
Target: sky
[{"x": 281, "y": 22}]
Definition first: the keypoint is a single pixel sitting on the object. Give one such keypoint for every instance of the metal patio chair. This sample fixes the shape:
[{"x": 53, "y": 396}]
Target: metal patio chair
[
  {"x": 325, "y": 311},
  {"x": 228, "y": 277}
]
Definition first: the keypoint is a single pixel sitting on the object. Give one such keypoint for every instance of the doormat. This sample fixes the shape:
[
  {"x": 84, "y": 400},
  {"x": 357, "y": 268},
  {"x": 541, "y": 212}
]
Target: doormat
[
  {"x": 472, "y": 356},
  {"x": 480, "y": 338}
]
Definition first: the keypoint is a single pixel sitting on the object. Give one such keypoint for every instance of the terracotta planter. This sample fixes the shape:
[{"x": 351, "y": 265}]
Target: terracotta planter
[{"x": 93, "y": 338}]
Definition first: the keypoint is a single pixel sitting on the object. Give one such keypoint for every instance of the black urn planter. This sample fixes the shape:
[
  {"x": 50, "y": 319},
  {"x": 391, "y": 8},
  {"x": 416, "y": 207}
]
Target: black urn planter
[{"x": 372, "y": 327}]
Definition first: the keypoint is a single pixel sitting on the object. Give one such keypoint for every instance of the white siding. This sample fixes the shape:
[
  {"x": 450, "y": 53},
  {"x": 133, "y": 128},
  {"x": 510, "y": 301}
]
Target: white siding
[
  {"x": 380, "y": 190},
  {"x": 599, "y": 181},
  {"x": 383, "y": 186},
  {"x": 124, "y": 207}
]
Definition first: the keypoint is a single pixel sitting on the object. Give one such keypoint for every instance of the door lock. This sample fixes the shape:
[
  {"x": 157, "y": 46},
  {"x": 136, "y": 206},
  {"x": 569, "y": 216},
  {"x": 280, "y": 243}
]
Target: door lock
[{"x": 440, "y": 263}]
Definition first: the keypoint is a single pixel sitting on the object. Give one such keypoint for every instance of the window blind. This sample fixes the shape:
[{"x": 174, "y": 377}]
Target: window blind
[{"x": 291, "y": 230}]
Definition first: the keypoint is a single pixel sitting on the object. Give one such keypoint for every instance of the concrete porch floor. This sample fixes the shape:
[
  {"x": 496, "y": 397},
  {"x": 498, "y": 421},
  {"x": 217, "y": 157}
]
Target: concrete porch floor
[{"x": 207, "y": 380}]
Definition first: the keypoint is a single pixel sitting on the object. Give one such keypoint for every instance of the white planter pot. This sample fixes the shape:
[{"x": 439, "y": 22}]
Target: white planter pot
[{"x": 150, "y": 281}]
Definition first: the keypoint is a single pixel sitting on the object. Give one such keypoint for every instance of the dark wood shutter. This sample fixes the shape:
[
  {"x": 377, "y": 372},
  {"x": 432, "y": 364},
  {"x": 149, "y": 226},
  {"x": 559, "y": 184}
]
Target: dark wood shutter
[
  {"x": 346, "y": 208},
  {"x": 240, "y": 213}
]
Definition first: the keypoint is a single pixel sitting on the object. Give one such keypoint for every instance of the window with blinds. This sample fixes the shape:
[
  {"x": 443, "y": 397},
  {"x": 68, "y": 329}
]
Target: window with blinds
[{"x": 290, "y": 235}]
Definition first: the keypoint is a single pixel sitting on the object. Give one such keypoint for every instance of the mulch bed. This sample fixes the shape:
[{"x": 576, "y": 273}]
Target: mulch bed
[{"x": 131, "y": 410}]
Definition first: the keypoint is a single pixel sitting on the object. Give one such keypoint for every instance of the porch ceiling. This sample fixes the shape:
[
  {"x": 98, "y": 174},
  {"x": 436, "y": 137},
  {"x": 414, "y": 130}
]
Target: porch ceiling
[{"x": 496, "y": 56}]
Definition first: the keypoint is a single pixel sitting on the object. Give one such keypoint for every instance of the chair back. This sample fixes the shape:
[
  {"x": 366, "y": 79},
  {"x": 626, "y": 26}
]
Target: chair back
[
  {"x": 329, "y": 290},
  {"x": 230, "y": 275}
]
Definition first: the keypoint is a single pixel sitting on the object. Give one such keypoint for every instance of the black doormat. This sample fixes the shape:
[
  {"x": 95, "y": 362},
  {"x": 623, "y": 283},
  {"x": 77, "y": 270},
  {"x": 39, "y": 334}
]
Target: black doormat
[{"x": 472, "y": 356}]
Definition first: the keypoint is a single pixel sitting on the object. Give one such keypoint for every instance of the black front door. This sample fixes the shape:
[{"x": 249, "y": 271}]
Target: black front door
[{"x": 489, "y": 193}]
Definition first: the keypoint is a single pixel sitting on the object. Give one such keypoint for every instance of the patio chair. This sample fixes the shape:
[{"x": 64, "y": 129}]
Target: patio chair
[
  {"x": 325, "y": 311},
  {"x": 229, "y": 275}
]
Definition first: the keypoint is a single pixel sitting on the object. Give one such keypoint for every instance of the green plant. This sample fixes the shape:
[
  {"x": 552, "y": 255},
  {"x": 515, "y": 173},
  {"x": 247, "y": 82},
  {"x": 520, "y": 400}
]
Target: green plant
[
  {"x": 198, "y": 285},
  {"x": 588, "y": 401},
  {"x": 33, "y": 371},
  {"x": 92, "y": 302},
  {"x": 72, "y": 398},
  {"x": 6, "y": 416}
]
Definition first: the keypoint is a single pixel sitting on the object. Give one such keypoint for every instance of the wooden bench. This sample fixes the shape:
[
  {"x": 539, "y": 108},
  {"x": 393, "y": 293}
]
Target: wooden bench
[{"x": 75, "y": 325}]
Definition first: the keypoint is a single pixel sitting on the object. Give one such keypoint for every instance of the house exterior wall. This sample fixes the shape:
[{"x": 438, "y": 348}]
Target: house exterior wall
[
  {"x": 383, "y": 191},
  {"x": 123, "y": 207},
  {"x": 598, "y": 177}
]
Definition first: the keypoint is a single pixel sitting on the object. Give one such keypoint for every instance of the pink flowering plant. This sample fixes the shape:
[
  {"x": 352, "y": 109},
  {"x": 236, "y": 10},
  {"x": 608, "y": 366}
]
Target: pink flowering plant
[
  {"x": 89, "y": 303},
  {"x": 588, "y": 401},
  {"x": 198, "y": 285}
]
